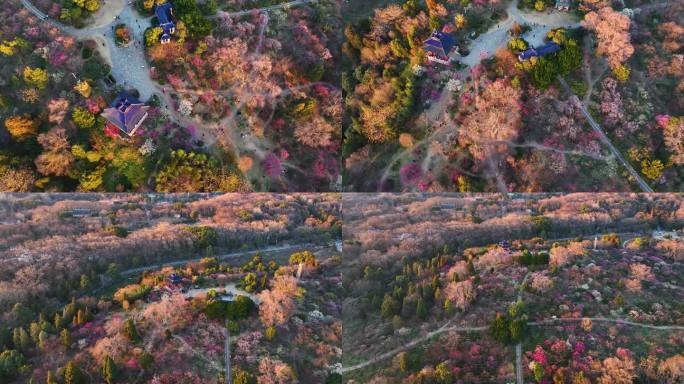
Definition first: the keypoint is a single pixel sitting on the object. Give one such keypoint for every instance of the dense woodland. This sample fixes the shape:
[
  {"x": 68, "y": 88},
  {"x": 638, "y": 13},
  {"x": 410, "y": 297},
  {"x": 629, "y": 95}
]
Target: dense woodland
[
  {"x": 270, "y": 76},
  {"x": 506, "y": 125},
  {"x": 69, "y": 267},
  {"x": 241, "y": 102},
  {"x": 479, "y": 272}
]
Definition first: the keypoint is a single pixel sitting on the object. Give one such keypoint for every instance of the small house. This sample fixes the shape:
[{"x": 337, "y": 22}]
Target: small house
[
  {"x": 80, "y": 212},
  {"x": 164, "y": 14},
  {"x": 447, "y": 206},
  {"x": 126, "y": 114},
  {"x": 563, "y": 5},
  {"x": 541, "y": 51},
  {"x": 439, "y": 46},
  {"x": 174, "y": 278}
]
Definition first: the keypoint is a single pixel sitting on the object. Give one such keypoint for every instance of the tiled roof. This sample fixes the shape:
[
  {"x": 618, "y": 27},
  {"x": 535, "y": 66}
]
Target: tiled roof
[
  {"x": 164, "y": 13},
  {"x": 440, "y": 39},
  {"x": 543, "y": 50},
  {"x": 548, "y": 48},
  {"x": 126, "y": 113}
]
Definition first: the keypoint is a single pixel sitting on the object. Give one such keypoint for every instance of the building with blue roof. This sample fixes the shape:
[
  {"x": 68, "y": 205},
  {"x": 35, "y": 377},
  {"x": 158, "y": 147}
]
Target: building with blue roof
[
  {"x": 164, "y": 13},
  {"x": 563, "y": 5},
  {"x": 126, "y": 113},
  {"x": 438, "y": 46},
  {"x": 546, "y": 49},
  {"x": 174, "y": 278}
]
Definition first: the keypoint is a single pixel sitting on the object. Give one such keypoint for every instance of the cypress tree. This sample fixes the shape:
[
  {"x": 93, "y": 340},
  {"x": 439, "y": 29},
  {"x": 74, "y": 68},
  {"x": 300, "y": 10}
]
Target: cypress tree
[
  {"x": 109, "y": 370},
  {"x": 73, "y": 374},
  {"x": 65, "y": 338}
]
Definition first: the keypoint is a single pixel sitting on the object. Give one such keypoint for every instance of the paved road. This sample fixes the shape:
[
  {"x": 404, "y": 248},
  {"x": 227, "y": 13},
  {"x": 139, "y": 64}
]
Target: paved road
[
  {"x": 497, "y": 36},
  {"x": 518, "y": 347},
  {"x": 128, "y": 64},
  {"x": 602, "y": 135},
  {"x": 220, "y": 257}
]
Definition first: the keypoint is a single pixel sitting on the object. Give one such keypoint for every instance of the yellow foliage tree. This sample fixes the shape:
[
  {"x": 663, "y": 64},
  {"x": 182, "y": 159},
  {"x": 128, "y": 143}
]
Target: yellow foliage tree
[
  {"x": 459, "y": 21},
  {"x": 517, "y": 44},
  {"x": 558, "y": 36},
  {"x": 9, "y": 47},
  {"x": 181, "y": 32},
  {"x": 91, "y": 181},
  {"x": 528, "y": 64},
  {"x": 621, "y": 72},
  {"x": 148, "y": 4},
  {"x": 152, "y": 36},
  {"x": 20, "y": 127},
  {"x": 83, "y": 88},
  {"x": 652, "y": 169},
  {"x": 37, "y": 77},
  {"x": 539, "y": 5},
  {"x": 92, "y": 5}
]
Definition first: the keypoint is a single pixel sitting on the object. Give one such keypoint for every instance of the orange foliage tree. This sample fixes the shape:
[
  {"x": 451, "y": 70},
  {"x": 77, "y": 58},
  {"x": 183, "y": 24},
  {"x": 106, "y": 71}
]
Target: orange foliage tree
[
  {"x": 612, "y": 32},
  {"x": 21, "y": 127}
]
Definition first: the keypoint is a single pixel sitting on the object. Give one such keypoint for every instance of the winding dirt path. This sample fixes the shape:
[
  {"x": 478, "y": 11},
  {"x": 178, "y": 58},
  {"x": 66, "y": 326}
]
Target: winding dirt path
[
  {"x": 551, "y": 322},
  {"x": 412, "y": 343}
]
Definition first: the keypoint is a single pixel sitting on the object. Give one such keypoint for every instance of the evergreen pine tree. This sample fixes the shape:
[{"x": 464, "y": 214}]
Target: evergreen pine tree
[
  {"x": 51, "y": 378},
  {"x": 73, "y": 374},
  {"x": 130, "y": 331},
  {"x": 109, "y": 370},
  {"x": 65, "y": 338},
  {"x": 421, "y": 309}
]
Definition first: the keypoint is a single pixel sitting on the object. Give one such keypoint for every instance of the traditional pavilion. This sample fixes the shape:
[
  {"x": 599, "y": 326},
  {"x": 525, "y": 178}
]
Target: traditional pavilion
[
  {"x": 546, "y": 49},
  {"x": 438, "y": 46},
  {"x": 126, "y": 113},
  {"x": 164, "y": 13}
]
